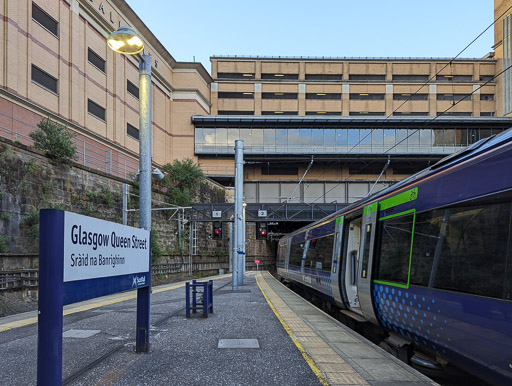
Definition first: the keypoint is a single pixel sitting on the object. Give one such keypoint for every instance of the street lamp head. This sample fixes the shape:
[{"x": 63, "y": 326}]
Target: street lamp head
[{"x": 125, "y": 41}]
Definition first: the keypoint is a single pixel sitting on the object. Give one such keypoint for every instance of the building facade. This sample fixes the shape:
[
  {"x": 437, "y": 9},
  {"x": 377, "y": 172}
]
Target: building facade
[
  {"x": 55, "y": 63},
  {"x": 367, "y": 122}
]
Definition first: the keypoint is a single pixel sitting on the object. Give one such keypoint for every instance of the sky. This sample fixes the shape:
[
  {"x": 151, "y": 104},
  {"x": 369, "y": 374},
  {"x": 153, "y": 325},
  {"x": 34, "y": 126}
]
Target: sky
[{"x": 195, "y": 30}]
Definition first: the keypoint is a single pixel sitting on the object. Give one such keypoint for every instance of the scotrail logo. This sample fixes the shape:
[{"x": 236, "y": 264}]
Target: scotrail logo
[{"x": 138, "y": 281}]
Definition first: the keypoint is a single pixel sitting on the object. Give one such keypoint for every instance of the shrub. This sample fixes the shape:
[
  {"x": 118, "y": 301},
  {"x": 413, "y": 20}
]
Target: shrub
[{"x": 55, "y": 140}]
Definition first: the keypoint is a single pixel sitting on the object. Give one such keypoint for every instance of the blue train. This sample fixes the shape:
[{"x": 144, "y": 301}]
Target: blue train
[{"x": 428, "y": 260}]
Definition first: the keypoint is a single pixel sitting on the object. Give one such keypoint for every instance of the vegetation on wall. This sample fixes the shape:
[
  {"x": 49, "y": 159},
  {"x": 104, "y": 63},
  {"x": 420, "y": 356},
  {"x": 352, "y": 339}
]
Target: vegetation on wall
[
  {"x": 182, "y": 181},
  {"x": 55, "y": 140}
]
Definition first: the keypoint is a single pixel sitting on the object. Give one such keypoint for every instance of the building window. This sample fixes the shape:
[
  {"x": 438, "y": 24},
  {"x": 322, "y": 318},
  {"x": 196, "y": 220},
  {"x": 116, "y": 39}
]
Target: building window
[
  {"x": 279, "y": 95},
  {"x": 280, "y": 76},
  {"x": 44, "y": 80},
  {"x": 486, "y": 97},
  {"x": 323, "y": 113},
  {"x": 358, "y": 113},
  {"x": 487, "y": 114},
  {"x": 323, "y": 95},
  {"x": 453, "y": 97},
  {"x": 486, "y": 78},
  {"x": 411, "y": 114},
  {"x": 132, "y": 89},
  {"x": 95, "y": 110},
  {"x": 234, "y": 112},
  {"x": 279, "y": 113},
  {"x": 454, "y": 78},
  {"x": 455, "y": 113},
  {"x": 410, "y": 97},
  {"x": 234, "y": 75},
  {"x": 367, "y": 77},
  {"x": 96, "y": 60},
  {"x": 365, "y": 96},
  {"x": 410, "y": 78},
  {"x": 132, "y": 131},
  {"x": 236, "y": 95},
  {"x": 329, "y": 77},
  {"x": 45, "y": 20}
]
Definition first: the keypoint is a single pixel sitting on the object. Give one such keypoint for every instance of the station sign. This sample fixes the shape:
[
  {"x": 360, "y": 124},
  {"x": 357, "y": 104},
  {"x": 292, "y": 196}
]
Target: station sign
[{"x": 95, "y": 248}]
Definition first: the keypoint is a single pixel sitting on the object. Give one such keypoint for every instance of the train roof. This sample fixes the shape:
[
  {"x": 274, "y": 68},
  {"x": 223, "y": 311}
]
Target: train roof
[{"x": 479, "y": 147}]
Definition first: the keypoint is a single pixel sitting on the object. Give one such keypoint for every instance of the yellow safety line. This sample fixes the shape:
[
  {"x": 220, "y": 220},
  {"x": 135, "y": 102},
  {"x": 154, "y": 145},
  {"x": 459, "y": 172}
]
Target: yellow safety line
[
  {"x": 323, "y": 380},
  {"x": 32, "y": 320}
]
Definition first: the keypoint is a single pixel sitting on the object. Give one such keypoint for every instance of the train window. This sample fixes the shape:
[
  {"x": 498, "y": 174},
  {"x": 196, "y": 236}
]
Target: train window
[
  {"x": 319, "y": 255},
  {"x": 395, "y": 248},
  {"x": 296, "y": 252},
  {"x": 464, "y": 248},
  {"x": 366, "y": 251}
]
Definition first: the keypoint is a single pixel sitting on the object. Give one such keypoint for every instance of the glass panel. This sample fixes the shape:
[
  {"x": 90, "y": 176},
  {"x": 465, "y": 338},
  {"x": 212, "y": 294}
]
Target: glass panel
[
  {"x": 366, "y": 251},
  {"x": 377, "y": 137},
  {"x": 257, "y": 137},
  {"x": 395, "y": 250},
  {"x": 305, "y": 137},
  {"x": 246, "y": 136},
  {"x": 296, "y": 252},
  {"x": 366, "y": 137},
  {"x": 389, "y": 137},
  {"x": 198, "y": 137},
  {"x": 269, "y": 137},
  {"x": 318, "y": 137},
  {"x": 233, "y": 135},
  {"x": 461, "y": 248},
  {"x": 438, "y": 137},
  {"x": 484, "y": 133},
  {"x": 209, "y": 136},
  {"x": 413, "y": 137},
  {"x": 426, "y": 138},
  {"x": 281, "y": 137},
  {"x": 293, "y": 137},
  {"x": 449, "y": 137},
  {"x": 221, "y": 137},
  {"x": 319, "y": 254},
  {"x": 401, "y": 140},
  {"x": 329, "y": 137},
  {"x": 341, "y": 137},
  {"x": 353, "y": 137},
  {"x": 461, "y": 137}
]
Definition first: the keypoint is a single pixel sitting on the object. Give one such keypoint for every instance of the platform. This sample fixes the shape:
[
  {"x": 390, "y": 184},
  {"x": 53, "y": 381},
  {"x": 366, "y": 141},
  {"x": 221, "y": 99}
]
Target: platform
[{"x": 262, "y": 334}]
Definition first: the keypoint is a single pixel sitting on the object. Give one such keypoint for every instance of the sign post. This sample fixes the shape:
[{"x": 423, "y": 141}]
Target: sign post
[
  {"x": 257, "y": 262},
  {"x": 82, "y": 258}
]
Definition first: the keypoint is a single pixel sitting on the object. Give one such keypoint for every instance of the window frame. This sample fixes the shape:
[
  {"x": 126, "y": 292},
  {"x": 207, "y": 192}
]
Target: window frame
[
  {"x": 89, "y": 100},
  {"x": 42, "y": 85},
  {"x": 90, "y": 50},
  {"x": 379, "y": 234},
  {"x": 128, "y": 125},
  {"x": 42, "y": 25}
]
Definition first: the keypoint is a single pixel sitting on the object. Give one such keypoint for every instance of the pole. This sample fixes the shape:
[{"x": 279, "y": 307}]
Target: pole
[
  {"x": 143, "y": 294},
  {"x": 231, "y": 240},
  {"x": 125, "y": 204},
  {"x": 239, "y": 189},
  {"x": 243, "y": 237}
]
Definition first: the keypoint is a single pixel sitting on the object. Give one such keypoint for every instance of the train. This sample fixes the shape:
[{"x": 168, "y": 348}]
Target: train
[{"x": 427, "y": 262}]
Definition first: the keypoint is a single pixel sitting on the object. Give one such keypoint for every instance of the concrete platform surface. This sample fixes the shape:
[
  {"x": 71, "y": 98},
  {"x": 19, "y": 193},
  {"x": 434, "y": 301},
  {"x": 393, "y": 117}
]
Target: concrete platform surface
[{"x": 262, "y": 334}]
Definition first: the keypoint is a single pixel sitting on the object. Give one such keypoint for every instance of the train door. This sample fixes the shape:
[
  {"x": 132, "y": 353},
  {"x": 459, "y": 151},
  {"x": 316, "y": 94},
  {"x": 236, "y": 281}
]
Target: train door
[
  {"x": 351, "y": 261},
  {"x": 336, "y": 262},
  {"x": 369, "y": 226}
]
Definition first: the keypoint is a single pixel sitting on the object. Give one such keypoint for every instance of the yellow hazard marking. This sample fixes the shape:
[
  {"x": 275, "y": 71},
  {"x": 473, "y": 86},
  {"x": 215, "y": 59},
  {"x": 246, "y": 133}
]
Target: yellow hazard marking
[
  {"x": 305, "y": 355},
  {"x": 90, "y": 306}
]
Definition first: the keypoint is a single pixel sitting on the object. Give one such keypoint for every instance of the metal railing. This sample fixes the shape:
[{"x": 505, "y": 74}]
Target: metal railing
[
  {"x": 14, "y": 280},
  {"x": 88, "y": 154}
]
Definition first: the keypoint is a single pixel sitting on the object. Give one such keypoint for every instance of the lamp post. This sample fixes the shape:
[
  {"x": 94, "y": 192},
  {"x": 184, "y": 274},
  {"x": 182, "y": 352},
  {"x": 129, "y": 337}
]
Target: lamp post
[{"x": 127, "y": 42}]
